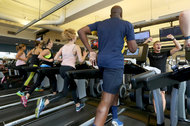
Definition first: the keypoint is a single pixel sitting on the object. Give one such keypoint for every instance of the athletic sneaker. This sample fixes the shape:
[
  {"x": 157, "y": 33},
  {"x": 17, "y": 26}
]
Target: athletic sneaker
[
  {"x": 80, "y": 107},
  {"x": 24, "y": 100},
  {"x": 39, "y": 89},
  {"x": 40, "y": 107},
  {"x": 116, "y": 122},
  {"x": 19, "y": 93},
  {"x": 3, "y": 79}
]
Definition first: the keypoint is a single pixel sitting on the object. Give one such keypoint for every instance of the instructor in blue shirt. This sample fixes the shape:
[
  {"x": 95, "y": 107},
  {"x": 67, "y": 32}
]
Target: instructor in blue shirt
[{"x": 110, "y": 60}]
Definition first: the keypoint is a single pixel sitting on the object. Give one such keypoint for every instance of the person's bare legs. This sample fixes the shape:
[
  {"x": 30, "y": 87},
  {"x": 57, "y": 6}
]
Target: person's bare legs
[
  {"x": 163, "y": 101},
  {"x": 114, "y": 111},
  {"x": 154, "y": 104},
  {"x": 115, "y": 101},
  {"x": 27, "y": 95},
  {"x": 103, "y": 108},
  {"x": 184, "y": 21}
]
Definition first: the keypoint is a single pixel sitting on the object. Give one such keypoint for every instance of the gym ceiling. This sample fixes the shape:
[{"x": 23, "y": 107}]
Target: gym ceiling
[{"x": 16, "y": 14}]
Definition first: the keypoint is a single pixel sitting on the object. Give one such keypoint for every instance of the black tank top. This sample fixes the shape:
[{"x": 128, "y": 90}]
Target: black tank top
[
  {"x": 34, "y": 58},
  {"x": 50, "y": 57}
]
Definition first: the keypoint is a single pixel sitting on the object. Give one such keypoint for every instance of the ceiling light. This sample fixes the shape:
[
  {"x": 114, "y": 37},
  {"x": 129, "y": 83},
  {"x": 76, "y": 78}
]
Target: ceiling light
[{"x": 25, "y": 22}]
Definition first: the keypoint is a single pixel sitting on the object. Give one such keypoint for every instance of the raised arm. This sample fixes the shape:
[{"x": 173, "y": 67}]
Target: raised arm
[
  {"x": 184, "y": 21},
  {"x": 177, "y": 45},
  {"x": 148, "y": 40}
]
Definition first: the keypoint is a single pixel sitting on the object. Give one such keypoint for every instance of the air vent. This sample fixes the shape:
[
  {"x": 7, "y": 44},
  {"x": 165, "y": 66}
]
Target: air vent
[{"x": 11, "y": 32}]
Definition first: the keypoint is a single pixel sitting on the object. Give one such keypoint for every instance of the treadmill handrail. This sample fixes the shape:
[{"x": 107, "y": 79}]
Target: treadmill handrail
[
  {"x": 159, "y": 81},
  {"x": 137, "y": 81}
]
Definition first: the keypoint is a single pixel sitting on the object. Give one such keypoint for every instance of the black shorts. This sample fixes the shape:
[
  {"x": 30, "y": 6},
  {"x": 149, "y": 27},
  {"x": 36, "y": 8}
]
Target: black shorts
[{"x": 112, "y": 79}]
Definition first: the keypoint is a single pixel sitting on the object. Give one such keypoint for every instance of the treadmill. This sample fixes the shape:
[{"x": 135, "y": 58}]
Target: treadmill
[{"x": 68, "y": 116}]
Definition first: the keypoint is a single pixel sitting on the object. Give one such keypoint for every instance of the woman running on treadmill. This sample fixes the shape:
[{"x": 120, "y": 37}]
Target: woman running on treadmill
[
  {"x": 69, "y": 52},
  {"x": 21, "y": 60},
  {"x": 47, "y": 62},
  {"x": 34, "y": 63}
]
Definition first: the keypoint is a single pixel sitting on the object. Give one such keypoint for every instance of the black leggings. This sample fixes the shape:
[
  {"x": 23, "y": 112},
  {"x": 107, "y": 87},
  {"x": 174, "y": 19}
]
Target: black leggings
[
  {"x": 22, "y": 73},
  {"x": 41, "y": 75},
  {"x": 68, "y": 83}
]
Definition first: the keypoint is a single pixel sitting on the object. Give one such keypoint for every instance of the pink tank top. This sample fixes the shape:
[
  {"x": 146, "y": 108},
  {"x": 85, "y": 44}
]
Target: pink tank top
[
  {"x": 69, "y": 59},
  {"x": 21, "y": 62}
]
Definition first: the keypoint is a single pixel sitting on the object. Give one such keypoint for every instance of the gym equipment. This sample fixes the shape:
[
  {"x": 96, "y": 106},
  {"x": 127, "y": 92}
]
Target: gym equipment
[{"x": 163, "y": 80}]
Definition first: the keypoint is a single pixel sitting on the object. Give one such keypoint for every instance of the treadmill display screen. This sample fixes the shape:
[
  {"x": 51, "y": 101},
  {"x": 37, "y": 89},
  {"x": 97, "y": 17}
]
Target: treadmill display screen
[
  {"x": 175, "y": 31},
  {"x": 130, "y": 53},
  {"x": 140, "y": 54},
  {"x": 140, "y": 37}
]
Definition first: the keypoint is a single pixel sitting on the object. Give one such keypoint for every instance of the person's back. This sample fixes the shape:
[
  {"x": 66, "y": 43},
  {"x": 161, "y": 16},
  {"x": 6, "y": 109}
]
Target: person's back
[
  {"x": 21, "y": 62},
  {"x": 35, "y": 53},
  {"x": 69, "y": 58},
  {"x": 21, "y": 56},
  {"x": 111, "y": 33}
]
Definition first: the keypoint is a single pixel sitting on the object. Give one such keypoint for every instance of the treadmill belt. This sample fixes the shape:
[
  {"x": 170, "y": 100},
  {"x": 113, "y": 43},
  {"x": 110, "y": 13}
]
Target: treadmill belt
[
  {"x": 66, "y": 116},
  {"x": 183, "y": 123},
  {"x": 9, "y": 91},
  {"x": 19, "y": 111},
  {"x": 128, "y": 121},
  {"x": 16, "y": 98}
]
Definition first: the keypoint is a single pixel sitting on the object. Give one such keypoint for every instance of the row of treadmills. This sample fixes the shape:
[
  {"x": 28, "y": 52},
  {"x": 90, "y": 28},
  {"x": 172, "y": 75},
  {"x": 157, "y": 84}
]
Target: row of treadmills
[{"x": 62, "y": 113}]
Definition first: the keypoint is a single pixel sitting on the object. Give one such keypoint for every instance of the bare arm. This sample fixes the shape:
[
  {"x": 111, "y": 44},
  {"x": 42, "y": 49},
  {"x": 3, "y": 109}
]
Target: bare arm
[
  {"x": 184, "y": 21},
  {"x": 148, "y": 40},
  {"x": 132, "y": 45},
  {"x": 39, "y": 51},
  {"x": 79, "y": 55},
  {"x": 58, "y": 54},
  {"x": 44, "y": 53},
  {"x": 83, "y": 36},
  {"x": 29, "y": 53},
  {"x": 18, "y": 56},
  {"x": 177, "y": 45}
]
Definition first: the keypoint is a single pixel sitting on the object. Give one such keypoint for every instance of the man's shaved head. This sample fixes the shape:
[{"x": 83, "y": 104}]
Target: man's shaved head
[{"x": 116, "y": 11}]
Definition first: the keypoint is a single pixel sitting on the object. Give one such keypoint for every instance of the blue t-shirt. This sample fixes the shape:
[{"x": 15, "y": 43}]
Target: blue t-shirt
[{"x": 111, "y": 33}]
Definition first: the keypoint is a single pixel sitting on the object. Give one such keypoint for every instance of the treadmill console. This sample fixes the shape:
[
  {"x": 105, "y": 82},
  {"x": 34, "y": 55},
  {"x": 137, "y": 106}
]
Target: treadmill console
[{"x": 140, "y": 54}]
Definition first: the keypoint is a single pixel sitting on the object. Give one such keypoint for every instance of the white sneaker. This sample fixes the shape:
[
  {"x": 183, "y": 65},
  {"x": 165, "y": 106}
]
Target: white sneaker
[{"x": 116, "y": 122}]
